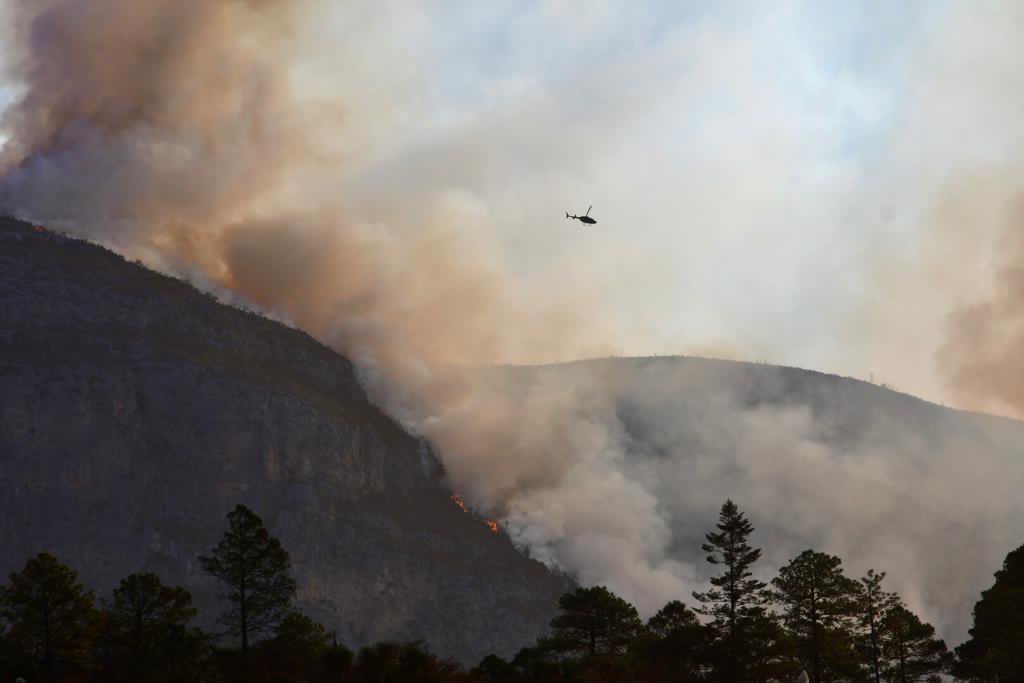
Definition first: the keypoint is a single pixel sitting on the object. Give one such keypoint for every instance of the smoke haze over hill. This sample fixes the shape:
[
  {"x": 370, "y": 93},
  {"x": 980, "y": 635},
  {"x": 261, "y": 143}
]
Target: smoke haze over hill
[{"x": 269, "y": 150}]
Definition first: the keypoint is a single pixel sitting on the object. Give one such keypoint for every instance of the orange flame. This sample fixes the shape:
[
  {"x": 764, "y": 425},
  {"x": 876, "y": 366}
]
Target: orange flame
[
  {"x": 491, "y": 524},
  {"x": 457, "y": 499}
]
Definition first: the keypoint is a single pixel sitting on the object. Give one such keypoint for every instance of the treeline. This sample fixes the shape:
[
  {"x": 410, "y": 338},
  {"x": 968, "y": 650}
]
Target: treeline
[
  {"x": 53, "y": 629},
  {"x": 811, "y": 622}
]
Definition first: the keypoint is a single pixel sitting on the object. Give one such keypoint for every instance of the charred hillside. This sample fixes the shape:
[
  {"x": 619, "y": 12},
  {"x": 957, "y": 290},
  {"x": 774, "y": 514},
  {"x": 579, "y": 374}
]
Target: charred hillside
[{"x": 135, "y": 412}]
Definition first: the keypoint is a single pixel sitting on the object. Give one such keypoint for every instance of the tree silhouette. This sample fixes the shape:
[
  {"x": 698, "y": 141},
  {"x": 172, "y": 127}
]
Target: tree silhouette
[
  {"x": 394, "y": 662},
  {"x": 769, "y": 650},
  {"x": 148, "y": 622},
  {"x": 535, "y": 664},
  {"x": 818, "y": 601},
  {"x": 672, "y": 618},
  {"x": 911, "y": 650},
  {"x": 255, "y": 571},
  {"x": 338, "y": 661},
  {"x": 594, "y": 621},
  {"x": 299, "y": 647},
  {"x": 675, "y": 646},
  {"x": 872, "y": 604},
  {"x": 993, "y": 651},
  {"x": 49, "y": 614},
  {"x": 736, "y": 599},
  {"x": 494, "y": 669}
]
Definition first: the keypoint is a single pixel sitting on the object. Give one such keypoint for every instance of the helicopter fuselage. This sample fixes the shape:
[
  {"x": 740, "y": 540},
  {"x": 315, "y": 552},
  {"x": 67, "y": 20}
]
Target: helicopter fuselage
[{"x": 585, "y": 218}]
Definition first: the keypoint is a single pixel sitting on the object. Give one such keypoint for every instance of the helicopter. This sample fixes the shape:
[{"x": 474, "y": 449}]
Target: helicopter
[{"x": 585, "y": 218}]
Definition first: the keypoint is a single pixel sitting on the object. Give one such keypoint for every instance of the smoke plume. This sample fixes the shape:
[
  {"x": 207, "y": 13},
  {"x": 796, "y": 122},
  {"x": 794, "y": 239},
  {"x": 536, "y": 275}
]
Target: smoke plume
[
  {"x": 983, "y": 354},
  {"x": 191, "y": 135},
  {"x": 183, "y": 132},
  {"x": 952, "y": 173}
]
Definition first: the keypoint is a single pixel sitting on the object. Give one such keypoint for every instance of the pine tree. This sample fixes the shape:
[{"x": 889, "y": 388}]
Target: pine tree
[
  {"x": 736, "y": 599},
  {"x": 146, "y": 620},
  {"x": 674, "y": 646},
  {"x": 672, "y": 618},
  {"x": 911, "y": 650},
  {"x": 48, "y": 613},
  {"x": 769, "y": 650},
  {"x": 994, "y": 650},
  {"x": 872, "y": 604},
  {"x": 818, "y": 602},
  {"x": 593, "y": 621},
  {"x": 299, "y": 647},
  {"x": 255, "y": 571}
]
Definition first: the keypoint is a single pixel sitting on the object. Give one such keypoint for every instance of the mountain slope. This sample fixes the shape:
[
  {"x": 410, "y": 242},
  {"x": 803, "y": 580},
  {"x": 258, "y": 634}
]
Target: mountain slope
[
  {"x": 883, "y": 479},
  {"x": 135, "y": 412}
]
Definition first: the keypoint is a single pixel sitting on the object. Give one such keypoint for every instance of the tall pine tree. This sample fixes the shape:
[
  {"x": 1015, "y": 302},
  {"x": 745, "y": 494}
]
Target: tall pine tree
[
  {"x": 255, "y": 571},
  {"x": 736, "y": 600},
  {"x": 872, "y": 605}
]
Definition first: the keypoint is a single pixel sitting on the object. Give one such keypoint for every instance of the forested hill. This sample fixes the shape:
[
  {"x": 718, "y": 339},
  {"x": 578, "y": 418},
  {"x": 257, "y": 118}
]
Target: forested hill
[
  {"x": 885, "y": 480},
  {"x": 135, "y": 412}
]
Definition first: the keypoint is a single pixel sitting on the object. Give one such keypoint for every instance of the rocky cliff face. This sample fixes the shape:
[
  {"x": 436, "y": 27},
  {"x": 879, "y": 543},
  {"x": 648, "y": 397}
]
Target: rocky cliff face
[{"x": 135, "y": 412}]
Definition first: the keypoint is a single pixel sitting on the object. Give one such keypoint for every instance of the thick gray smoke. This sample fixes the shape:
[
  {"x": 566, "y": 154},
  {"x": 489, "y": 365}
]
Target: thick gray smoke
[
  {"x": 880, "y": 479},
  {"x": 204, "y": 137}
]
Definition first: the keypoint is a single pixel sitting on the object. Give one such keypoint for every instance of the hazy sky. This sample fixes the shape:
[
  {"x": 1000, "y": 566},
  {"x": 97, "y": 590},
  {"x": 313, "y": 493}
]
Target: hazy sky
[
  {"x": 759, "y": 170},
  {"x": 733, "y": 153}
]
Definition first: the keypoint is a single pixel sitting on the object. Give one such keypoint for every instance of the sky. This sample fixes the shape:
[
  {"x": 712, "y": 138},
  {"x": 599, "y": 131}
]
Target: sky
[
  {"x": 729, "y": 151},
  {"x": 762, "y": 173}
]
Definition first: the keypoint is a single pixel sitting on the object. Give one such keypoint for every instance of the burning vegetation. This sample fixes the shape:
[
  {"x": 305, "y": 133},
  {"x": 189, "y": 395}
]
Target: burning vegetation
[{"x": 490, "y": 523}]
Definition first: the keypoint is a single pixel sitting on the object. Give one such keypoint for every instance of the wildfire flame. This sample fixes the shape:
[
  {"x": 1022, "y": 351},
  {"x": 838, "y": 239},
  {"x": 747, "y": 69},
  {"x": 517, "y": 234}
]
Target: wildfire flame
[
  {"x": 457, "y": 499},
  {"x": 491, "y": 524}
]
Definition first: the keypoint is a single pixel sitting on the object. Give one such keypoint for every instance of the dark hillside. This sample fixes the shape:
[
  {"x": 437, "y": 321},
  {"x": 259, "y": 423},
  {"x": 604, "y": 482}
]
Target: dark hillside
[{"x": 135, "y": 412}]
